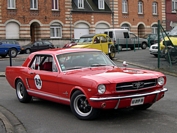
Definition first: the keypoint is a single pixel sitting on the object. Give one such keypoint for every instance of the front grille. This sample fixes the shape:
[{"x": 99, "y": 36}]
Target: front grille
[{"x": 136, "y": 85}]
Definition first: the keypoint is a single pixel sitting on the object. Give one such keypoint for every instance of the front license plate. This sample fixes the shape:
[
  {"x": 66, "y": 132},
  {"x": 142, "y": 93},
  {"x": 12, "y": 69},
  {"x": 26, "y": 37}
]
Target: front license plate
[{"x": 137, "y": 101}]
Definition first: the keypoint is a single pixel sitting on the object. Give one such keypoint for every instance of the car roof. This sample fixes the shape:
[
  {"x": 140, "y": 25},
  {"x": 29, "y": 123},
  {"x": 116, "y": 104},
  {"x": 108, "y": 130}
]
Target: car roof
[
  {"x": 57, "y": 51},
  {"x": 91, "y": 35}
]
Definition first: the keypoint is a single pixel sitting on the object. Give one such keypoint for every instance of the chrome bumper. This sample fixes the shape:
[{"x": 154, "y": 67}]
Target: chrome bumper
[{"x": 129, "y": 96}]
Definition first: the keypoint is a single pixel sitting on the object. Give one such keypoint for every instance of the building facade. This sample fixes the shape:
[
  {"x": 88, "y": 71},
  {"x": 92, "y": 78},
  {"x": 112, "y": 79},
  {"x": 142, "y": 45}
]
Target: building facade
[
  {"x": 61, "y": 20},
  {"x": 171, "y": 16}
]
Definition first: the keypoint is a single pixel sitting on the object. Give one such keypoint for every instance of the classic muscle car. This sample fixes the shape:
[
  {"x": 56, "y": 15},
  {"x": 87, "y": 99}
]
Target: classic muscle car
[{"x": 85, "y": 79}]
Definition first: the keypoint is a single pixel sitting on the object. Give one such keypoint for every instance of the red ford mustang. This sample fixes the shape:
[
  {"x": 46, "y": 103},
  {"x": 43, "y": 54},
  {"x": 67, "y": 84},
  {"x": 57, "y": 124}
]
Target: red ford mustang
[{"x": 85, "y": 79}]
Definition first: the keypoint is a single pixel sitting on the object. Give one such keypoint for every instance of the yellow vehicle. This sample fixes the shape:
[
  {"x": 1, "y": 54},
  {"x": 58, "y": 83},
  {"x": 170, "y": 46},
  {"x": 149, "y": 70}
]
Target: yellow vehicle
[
  {"x": 168, "y": 46},
  {"x": 97, "y": 41}
]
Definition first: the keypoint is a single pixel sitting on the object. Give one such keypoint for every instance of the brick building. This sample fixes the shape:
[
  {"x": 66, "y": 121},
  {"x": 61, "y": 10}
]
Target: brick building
[
  {"x": 61, "y": 20},
  {"x": 171, "y": 16}
]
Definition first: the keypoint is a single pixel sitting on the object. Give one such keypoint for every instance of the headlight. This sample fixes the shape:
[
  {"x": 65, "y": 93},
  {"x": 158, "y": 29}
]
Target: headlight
[
  {"x": 101, "y": 89},
  {"x": 161, "y": 81}
]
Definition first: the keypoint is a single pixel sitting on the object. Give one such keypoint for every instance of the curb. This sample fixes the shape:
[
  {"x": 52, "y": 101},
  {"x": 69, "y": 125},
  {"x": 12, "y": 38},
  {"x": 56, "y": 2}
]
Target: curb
[{"x": 11, "y": 124}]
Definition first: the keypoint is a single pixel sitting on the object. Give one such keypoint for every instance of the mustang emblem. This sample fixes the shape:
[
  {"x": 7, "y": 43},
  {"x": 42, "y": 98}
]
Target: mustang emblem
[{"x": 138, "y": 85}]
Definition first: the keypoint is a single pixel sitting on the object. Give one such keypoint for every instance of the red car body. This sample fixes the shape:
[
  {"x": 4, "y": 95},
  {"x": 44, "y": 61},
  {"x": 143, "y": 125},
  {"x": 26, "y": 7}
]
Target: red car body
[{"x": 86, "y": 88}]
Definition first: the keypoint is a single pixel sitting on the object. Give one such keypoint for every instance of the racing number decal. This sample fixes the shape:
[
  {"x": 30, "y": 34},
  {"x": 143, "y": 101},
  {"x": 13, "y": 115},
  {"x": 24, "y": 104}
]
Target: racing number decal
[{"x": 38, "y": 81}]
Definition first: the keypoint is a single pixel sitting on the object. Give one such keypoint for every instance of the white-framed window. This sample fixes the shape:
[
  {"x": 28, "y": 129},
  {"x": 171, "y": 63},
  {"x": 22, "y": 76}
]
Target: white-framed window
[
  {"x": 154, "y": 8},
  {"x": 55, "y": 5},
  {"x": 34, "y": 4},
  {"x": 154, "y": 29},
  {"x": 125, "y": 26},
  {"x": 55, "y": 30},
  {"x": 80, "y": 3},
  {"x": 11, "y": 4},
  {"x": 140, "y": 7},
  {"x": 174, "y": 5},
  {"x": 100, "y": 4},
  {"x": 124, "y": 6}
]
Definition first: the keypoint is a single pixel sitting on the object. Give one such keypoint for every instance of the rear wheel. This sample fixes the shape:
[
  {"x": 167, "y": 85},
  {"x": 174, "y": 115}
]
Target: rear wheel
[
  {"x": 21, "y": 92},
  {"x": 81, "y": 108}
]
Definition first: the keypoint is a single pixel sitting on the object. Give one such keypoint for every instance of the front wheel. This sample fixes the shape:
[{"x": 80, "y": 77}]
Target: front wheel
[
  {"x": 112, "y": 52},
  {"x": 81, "y": 108},
  {"x": 21, "y": 92},
  {"x": 13, "y": 52},
  {"x": 28, "y": 51},
  {"x": 143, "y": 45}
]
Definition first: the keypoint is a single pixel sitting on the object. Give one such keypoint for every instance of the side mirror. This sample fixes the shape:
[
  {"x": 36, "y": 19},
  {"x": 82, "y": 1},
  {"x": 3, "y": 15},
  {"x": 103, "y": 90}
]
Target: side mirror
[{"x": 125, "y": 64}]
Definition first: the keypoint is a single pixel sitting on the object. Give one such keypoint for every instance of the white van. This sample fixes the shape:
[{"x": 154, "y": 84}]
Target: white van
[{"x": 122, "y": 38}]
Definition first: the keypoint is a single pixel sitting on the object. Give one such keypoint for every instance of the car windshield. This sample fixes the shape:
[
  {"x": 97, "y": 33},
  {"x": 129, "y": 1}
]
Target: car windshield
[
  {"x": 173, "y": 32},
  {"x": 86, "y": 39},
  {"x": 79, "y": 60}
]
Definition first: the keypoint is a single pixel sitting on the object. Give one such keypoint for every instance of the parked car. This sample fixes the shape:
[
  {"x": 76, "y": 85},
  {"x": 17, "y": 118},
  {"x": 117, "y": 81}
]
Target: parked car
[
  {"x": 123, "y": 38},
  {"x": 154, "y": 49},
  {"x": 150, "y": 38},
  {"x": 85, "y": 79},
  {"x": 9, "y": 45},
  {"x": 71, "y": 43},
  {"x": 97, "y": 41},
  {"x": 36, "y": 46}
]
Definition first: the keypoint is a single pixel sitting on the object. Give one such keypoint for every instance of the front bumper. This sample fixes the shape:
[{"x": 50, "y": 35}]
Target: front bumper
[{"x": 124, "y": 101}]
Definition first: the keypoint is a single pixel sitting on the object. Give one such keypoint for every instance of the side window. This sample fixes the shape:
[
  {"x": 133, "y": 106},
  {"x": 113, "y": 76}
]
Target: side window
[
  {"x": 44, "y": 63},
  {"x": 103, "y": 39},
  {"x": 111, "y": 34},
  {"x": 126, "y": 35}
]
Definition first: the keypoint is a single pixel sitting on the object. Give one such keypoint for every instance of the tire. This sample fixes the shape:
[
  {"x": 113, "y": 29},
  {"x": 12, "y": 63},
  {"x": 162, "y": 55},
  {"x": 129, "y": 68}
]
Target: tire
[
  {"x": 28, "y": 51},
  {"x": 143, "y": 107},
  {"x": 81, "y": 108},
  {"x": 143, "y": 45},
  {"x": 13, "y": 52},
  {"x": 172, "y": 57},
  {"x": 21, "y": 92},
  {"x": 112, "y": 53}
]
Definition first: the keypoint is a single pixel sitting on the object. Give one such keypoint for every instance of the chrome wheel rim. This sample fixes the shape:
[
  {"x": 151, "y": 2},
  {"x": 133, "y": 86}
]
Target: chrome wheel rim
[
  {"x": 81, "y": 105},
  {"x": 13, "y": 53},
  {"x": 20, "y": 90}
]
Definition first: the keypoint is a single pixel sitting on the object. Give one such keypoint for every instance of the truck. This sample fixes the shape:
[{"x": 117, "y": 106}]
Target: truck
[{"x": 123, "y": 38}]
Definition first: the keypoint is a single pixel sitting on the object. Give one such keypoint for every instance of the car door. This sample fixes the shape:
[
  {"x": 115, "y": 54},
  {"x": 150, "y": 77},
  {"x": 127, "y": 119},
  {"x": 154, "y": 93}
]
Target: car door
[
  {"x": 43, "y": 80},
  {"x": 35, "y": 47},
  {"x": 104, "y": 43}
]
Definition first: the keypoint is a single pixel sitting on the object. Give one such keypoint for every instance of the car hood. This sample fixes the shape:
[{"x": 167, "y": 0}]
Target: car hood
[{"x": 112, "y": 75}]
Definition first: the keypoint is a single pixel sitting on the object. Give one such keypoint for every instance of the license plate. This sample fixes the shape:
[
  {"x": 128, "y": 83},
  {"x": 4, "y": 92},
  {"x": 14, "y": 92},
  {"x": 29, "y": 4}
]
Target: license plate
[{"x": 137, "y": 101}]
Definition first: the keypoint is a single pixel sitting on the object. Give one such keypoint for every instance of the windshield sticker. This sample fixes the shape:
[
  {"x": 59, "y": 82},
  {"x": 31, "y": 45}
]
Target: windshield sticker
[{"x": 38, "y": 81}]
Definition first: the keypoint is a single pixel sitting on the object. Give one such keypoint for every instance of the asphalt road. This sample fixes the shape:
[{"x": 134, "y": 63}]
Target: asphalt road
[
  {"x": 43, "y": 116},
  {"x": 47, "y": 117}
]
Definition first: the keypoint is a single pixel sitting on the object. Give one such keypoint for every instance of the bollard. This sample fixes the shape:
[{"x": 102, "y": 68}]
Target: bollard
[{"x": 10, "y": 57}]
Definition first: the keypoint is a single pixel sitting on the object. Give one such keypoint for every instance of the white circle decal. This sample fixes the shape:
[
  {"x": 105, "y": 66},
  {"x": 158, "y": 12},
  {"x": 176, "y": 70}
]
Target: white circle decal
[{"x": 38, "y": 81}]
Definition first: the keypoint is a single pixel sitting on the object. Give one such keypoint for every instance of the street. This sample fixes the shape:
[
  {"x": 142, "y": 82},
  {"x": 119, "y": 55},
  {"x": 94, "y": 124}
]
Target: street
[{"x": 41, "y": 116}]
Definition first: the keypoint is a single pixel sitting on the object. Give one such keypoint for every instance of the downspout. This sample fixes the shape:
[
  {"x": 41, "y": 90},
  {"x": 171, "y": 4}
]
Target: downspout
[{"x": 113, "y": 13}]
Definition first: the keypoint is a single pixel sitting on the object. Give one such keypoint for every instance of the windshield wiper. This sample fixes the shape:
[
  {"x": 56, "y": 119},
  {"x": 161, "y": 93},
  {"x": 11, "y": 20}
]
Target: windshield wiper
[
  {"x": 75, "y": 67},
  {"x": 97, "y": 65}
]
